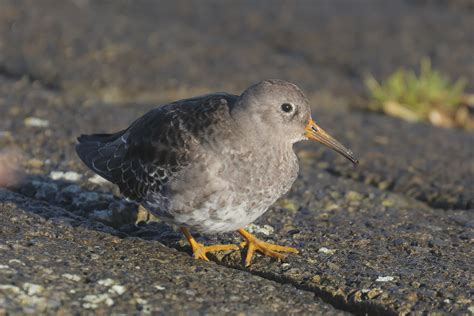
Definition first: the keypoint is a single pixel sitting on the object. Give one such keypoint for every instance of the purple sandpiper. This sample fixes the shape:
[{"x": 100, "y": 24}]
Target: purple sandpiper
[{"x": 212, "y": 163}]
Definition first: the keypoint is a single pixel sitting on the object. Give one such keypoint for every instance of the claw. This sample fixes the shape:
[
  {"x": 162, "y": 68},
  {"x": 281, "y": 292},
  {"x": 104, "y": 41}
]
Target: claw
[{"x": 253, "y": 244}]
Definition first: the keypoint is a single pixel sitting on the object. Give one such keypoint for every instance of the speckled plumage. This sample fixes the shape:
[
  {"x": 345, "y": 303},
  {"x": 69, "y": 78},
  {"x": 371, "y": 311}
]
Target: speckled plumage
[{"x": 213, "y": 163}]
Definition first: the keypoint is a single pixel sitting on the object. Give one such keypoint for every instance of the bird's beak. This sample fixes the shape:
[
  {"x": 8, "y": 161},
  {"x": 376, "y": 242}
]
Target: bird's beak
[{"x": 314, "y": 132}]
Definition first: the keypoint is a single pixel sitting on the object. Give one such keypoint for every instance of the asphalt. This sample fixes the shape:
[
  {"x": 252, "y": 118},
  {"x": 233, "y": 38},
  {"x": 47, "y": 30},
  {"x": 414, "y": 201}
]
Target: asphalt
[{"x": 391, "y": 236}]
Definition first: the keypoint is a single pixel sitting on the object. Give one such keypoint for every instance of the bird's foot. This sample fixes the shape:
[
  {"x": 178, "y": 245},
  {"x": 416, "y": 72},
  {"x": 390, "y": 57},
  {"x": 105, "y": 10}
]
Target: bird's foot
[
  {"x": 253, "y": 243},
  {"x": 200, "y": 251}
]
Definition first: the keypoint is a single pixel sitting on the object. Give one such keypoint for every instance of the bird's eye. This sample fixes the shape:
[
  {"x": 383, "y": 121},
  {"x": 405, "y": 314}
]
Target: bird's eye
[{"x": 287, "y": 107}]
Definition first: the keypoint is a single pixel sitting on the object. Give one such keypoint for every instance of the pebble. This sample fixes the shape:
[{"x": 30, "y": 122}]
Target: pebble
[
  {"x": 385, "y": 279},
  {"x": 35, "y": 163},
  {"x": 36, "y": 122},
  {"x": 118, "y": 289},
  {"x": 68, "y": 176},
  {"x": 9, "y": 287},
  {"x": 353, "y": 196},
  {"x": 265, "y": 229},
  {"x": 72, "y": 277},
  {"x": 327, "y": 251},
  {"x": 92, "y": 301},
  {"x": 106, "y": 282},
  {"x": 32, "y": 289},
  {"x": 96, "y": 179}
]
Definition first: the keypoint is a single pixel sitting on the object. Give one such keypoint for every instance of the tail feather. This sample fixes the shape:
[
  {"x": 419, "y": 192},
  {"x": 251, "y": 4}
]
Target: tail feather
[{"x": 101, "y": 152}]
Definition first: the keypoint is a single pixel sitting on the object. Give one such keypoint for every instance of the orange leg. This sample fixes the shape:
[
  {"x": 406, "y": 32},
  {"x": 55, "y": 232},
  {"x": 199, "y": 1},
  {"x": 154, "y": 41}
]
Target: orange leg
[
  {"x": 253, "y": 243},
  {"x": 199, "y": 250}
]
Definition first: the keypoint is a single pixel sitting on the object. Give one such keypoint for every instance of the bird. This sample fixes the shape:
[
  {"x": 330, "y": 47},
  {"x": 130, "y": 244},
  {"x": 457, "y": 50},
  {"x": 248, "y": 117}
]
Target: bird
[{"x": 212, "y": 163}]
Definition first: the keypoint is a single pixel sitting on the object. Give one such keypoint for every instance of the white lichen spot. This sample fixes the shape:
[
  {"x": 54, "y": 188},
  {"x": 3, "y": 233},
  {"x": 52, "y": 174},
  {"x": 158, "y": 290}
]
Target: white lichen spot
[
  {"x": 96, "y": 179},
  {"x": 327, "y": 251},
  {"x": 385, "y": 278},
  {"x": 92, "y": 301},
  {"x": 106, "y": 282},
  {"x": 118, "y": 289},
  {"x": 72, "y": 277},
  {"x": 16, "y": 261},
  {"x": 68, "y": 176},
  {"x": 5, "y": 269},
  {"x": 36, "y": 122},
  {"x": 10, "y": 288},
  {"x": 160, "y": 288},
  {"x": 255, "y": 229},
  {"x": 32, "y": 289}
]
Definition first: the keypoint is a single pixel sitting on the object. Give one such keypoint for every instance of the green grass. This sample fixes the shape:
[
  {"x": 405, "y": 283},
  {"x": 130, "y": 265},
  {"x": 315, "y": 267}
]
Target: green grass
[{"x": 410, "y": 96}]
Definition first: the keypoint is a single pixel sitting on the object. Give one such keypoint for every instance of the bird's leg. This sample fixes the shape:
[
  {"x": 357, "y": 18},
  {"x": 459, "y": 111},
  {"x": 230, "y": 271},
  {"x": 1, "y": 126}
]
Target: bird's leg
[
  {"x": 253, "y": 243},
  {"x": 199, "y": 250}
]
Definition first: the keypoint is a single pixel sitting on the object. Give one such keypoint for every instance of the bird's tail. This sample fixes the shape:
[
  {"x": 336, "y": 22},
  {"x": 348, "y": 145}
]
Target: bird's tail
[{"x": 100, "y": 152}]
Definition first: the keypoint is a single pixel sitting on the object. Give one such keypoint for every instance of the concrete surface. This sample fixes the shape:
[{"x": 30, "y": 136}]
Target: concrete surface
[{"x": 392, "y": 236}]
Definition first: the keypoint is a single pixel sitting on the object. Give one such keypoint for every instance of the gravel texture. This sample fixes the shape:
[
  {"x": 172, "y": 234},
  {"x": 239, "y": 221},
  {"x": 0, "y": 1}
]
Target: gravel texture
[{"x": 392, "y": 236}]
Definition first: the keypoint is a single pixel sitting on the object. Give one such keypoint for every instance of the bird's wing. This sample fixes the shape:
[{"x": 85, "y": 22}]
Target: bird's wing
[{"x": 144, "y": 157}]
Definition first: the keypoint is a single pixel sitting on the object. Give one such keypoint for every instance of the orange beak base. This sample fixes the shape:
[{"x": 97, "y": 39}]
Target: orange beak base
[{"x": 314, "y": 132}]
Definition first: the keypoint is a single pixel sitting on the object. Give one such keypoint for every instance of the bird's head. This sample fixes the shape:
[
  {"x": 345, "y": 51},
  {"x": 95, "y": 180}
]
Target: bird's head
[{"x": 279, "y": 111}]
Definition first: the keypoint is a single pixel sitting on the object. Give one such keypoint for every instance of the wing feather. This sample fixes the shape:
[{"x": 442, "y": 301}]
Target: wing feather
[{"x": 145, "y": 156}]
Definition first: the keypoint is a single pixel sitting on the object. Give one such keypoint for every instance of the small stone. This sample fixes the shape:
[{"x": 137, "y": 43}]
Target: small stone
[
  {"x": 330, "y": 206},
  {"x": 385, "y": 279},
  {"x": 160, "y": 288},
  {"x": 4, "y": 269},
  {"x": 353, "y": 196},
  {"x": 412, "y": 297},
  {"x": 265, "y": 229},
  {"x": 118, "y": 289},
  {"x": 316, "y": 279},
  {"x": 327, "y": 251},
  {"x": 32, "y": 289},
  {"x": 36, "y": 122},
  {"x": 373, "y": 293},
  {"x": 68, "y": 176},
  {"x": 384, "y": 185},
  {"x": 72, "y": 277},
  {"x": 35, "y": 163},
  {"x": 96, "y": 179},
  {"x": 463, "y": 300},
  {"x": 288, "y": 204},
  {"x": 9, "y": 287},
  {"x": 106, "y": 282},
  {"x": 388, "y": 202},
  {"x": 16, "y": 261},
  {"x": 92, "y": 301}
]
